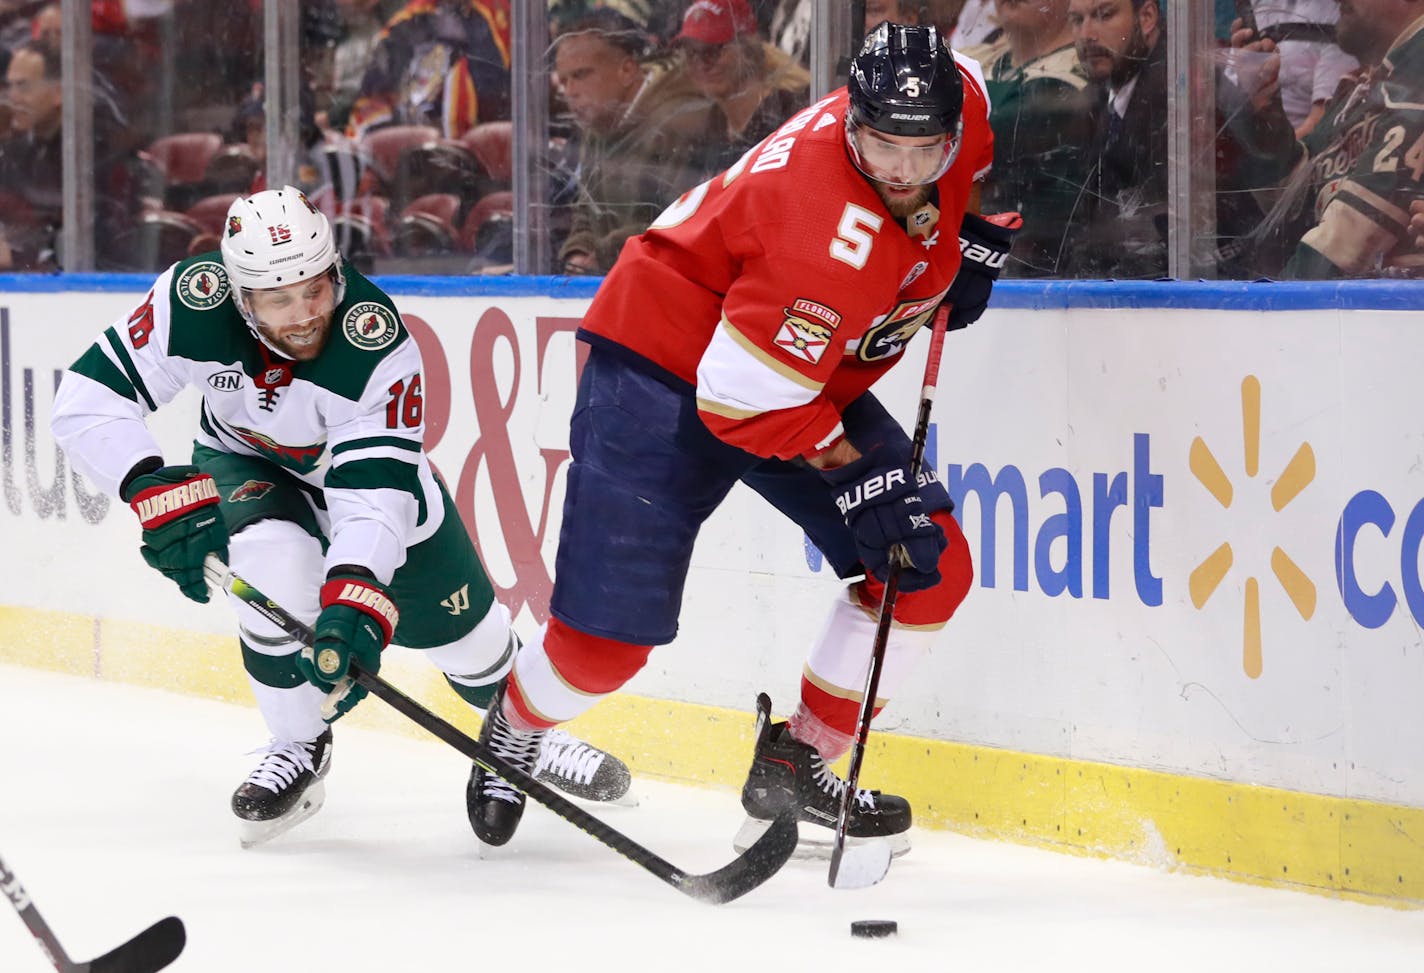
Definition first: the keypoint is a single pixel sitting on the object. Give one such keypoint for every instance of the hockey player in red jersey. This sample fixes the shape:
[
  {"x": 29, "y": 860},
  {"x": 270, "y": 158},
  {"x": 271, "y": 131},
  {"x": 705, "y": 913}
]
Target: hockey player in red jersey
[{"x": 736, "y": 340}]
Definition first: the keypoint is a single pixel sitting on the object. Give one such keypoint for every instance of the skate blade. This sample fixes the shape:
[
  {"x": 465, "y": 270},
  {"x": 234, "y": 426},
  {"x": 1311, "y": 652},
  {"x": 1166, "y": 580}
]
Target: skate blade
[
  {"x": 253, "y": 833},
  {"x": 816, "y": 843}
]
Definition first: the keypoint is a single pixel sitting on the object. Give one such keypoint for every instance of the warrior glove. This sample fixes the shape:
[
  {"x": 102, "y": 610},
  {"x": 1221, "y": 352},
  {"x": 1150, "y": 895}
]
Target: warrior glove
[
  {"x": 888, "y": 511},
  {"x": 178, "y": 507},
  {"x": 984, "y": 244},
  {"x": 356, "y": 622}
]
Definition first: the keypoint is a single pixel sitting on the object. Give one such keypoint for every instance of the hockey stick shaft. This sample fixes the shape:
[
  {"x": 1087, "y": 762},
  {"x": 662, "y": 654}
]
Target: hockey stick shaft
[
  {"x": 753, "y": 867},
  {"x": 148, "y": 952},
  {"x": 918, "y": 446}
]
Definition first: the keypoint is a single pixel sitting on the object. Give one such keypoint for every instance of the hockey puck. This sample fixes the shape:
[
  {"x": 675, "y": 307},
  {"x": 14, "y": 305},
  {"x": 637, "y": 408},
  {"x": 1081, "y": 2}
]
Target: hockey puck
[{"x": 873, "y": 928}]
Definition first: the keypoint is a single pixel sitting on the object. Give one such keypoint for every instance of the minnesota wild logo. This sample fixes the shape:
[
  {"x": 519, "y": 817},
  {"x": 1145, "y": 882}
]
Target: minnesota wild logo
[
  {"x": 370, "y": 326},
  {"x": 301, "y": 459},
  {"x": 202, "y": 286},
  {"x": 251, "y": 490}
]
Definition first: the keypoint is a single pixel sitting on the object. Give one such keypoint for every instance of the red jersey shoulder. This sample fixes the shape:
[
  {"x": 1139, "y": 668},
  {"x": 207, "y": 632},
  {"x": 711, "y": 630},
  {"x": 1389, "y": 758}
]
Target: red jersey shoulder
[{"x": 978, "y": 136}]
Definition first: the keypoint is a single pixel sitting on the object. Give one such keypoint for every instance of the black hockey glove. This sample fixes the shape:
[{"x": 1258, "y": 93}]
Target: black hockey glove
[
  {"x": 885, "y": 508},
  {"x": 182, "y": 525},
  {"x": 984, "y": 244}
]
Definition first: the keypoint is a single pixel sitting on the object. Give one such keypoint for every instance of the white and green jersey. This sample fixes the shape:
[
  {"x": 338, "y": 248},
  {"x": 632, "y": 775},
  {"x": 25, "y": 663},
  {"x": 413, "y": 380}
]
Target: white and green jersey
[{"x": 349, "y": 424}]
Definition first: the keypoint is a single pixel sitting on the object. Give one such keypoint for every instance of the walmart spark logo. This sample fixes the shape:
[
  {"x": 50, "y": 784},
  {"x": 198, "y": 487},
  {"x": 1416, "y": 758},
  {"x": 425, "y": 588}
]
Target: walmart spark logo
[{"x": 1296, "y": 476}]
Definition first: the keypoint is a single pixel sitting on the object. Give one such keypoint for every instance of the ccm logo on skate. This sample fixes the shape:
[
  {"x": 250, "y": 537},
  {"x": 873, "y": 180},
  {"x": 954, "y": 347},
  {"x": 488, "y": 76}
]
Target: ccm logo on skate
[{"x": 869, "y": 490}]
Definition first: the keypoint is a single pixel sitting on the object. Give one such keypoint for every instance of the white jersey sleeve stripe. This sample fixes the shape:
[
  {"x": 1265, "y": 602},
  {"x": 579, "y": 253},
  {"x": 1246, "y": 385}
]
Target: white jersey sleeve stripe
[{"x": 737, "y": 378}]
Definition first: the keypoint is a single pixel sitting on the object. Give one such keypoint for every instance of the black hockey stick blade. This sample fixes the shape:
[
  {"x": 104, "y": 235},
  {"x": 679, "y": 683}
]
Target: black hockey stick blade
[
  {"x": 149, "y": 951},
  {"x": 749, "y": 870},
  {"x": 733, "y": 880}
]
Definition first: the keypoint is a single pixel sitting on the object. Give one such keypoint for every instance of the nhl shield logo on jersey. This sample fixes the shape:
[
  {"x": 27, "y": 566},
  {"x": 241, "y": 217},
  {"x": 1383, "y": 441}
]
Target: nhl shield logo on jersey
[
  {"x": 370, "y": 326},
  {"x": 202, "y": 286},
  {"x": 251, "y": 490}
]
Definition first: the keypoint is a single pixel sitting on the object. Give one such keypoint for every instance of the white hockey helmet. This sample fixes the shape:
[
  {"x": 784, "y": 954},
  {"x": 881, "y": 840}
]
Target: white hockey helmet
[{"x": 275, "y": 238}]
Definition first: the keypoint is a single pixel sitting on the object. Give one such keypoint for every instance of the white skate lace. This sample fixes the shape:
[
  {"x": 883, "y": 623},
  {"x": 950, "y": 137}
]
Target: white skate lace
[
  {"x": 282, "y": 765},
  {"x": 569, "y": 757},
  {"x": 834, "y": 786},
  {"x": 519, "y": 749}
]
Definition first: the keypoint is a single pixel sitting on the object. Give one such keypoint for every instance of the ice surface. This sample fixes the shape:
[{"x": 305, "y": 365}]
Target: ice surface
[{"x": 113, "y": 812}]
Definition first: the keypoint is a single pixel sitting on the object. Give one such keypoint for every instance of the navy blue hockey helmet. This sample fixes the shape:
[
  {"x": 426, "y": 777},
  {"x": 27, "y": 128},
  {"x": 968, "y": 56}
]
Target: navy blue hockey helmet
[{"x": 904, "y": 83}]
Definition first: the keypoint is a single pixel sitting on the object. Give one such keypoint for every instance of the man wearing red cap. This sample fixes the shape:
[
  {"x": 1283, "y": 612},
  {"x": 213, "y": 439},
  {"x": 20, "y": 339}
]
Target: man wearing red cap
[
  {"x": 753, "y": 85},
  {"x": 716, "y": 21}
]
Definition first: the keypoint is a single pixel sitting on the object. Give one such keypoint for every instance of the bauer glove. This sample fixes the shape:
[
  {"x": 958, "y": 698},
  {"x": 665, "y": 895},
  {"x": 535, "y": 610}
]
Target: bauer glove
[
  {"x": 356, "y": 622},
  {"x": 984, "y": 244},
  {"x": 886, "y": 509},
  {"x": 178, "y": 507}
]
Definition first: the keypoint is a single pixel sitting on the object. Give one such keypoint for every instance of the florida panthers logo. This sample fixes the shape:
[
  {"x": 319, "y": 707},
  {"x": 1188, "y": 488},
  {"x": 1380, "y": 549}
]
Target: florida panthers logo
[
  {"x": 251, "y": 490},
  {"x": 202, "y": 286},
  {"x": 234, "y": 225},
  {"x": 306, "y": 202}
]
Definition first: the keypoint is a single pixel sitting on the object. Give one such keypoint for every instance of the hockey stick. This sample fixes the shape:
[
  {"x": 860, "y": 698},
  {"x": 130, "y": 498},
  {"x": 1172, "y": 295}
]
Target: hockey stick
[
  {"x": 149, "y": 951},
  {"x": 865, "y": 868},
  {"x": 753, "y": 867}
]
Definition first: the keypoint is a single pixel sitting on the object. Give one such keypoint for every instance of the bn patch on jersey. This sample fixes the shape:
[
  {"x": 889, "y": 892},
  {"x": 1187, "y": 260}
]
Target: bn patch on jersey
[
  {"x": 370, "y": 326},
  {"x": 202, "y": 286}
]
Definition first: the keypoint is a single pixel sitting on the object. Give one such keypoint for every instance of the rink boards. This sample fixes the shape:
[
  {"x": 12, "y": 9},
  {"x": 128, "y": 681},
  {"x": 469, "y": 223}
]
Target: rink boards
[{"x": 1195, "y": 510}]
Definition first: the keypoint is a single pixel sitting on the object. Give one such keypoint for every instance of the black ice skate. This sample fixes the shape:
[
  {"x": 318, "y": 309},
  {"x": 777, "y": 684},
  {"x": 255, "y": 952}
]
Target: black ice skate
[
  {"x": 284, "y": 790},
  {"x": 493, "y": 805},
  {"x": 581, "y": 770},
  {"x": 786, "y": 771}
]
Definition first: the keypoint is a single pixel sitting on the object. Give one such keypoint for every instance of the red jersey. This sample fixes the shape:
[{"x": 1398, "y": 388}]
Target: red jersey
[{"x": 783, "y": 288}]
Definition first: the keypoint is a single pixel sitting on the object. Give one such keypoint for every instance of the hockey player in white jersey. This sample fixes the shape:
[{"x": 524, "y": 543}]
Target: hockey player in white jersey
[{"x": 308, "y": 476}]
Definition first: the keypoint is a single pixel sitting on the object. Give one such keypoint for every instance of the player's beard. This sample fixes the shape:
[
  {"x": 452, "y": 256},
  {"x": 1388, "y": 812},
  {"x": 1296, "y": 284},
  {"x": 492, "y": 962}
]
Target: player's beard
[{"x": 901, "y": 206}]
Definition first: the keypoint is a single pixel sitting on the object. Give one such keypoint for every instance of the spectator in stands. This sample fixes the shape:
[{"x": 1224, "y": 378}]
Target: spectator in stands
[
  {"x": 943, "y": 14},
  {"x": 438, "y": 62},
  {"x": 895, "y": 11},
  {"x": 1346, "y": 208},
  {"x": 1122, "y": 211},
  {"x": 1041, "y": 116},
  {"x": 30, "y": 174},
  {"x": 48, "y": 25},
  {"x": 636, "y": 120},
  {"x": 15, "y": 26},
  {"x": 31, "y": 185},
  {"x": 976, "y": 25},
  {"x": 1119, "y": 227},
  {"x": 362, "y": 21},
  {"x": 753, "y": 85},
  {"x": 1312, "y": 63}
]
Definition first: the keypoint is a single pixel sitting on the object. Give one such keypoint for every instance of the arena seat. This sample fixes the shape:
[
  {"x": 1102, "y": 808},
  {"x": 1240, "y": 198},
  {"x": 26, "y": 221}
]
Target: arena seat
[
  {"x": 427, "y": 226},
  {"x": 493, "y": 144},
  {"x": 500, "y": 202},
  {"x": 210, "y": 212},
  {"x": 183, "y": 157},
  {"x": 384, "y": 145}
]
